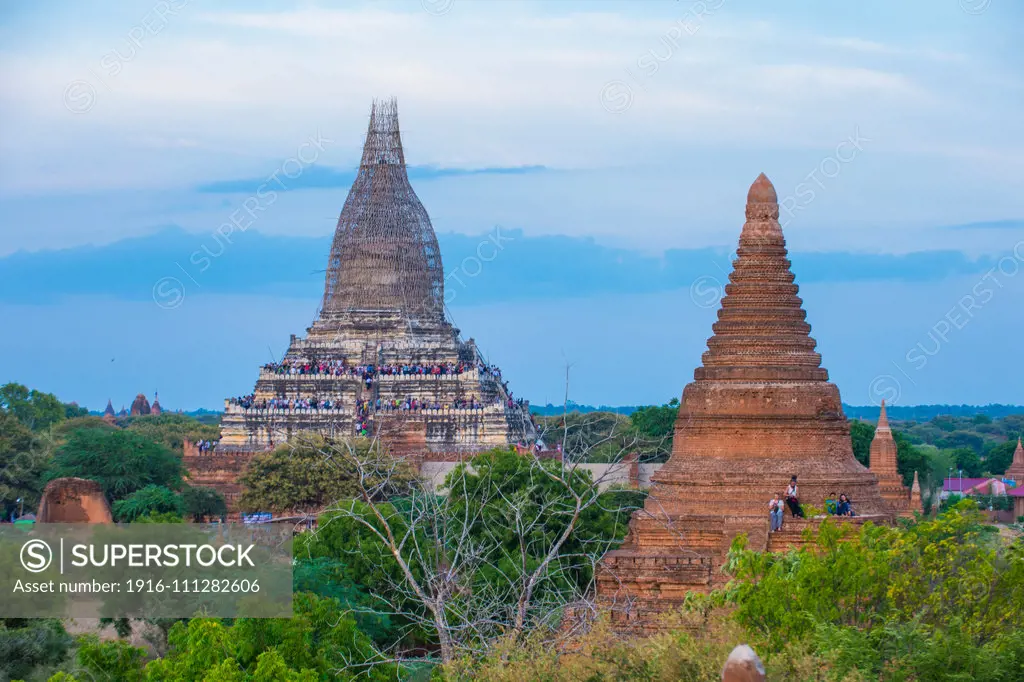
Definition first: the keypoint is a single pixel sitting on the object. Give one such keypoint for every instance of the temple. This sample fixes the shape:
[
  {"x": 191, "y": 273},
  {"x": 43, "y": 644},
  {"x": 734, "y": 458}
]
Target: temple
[
  {"x": 381, "y": 358},
  {"x": 1015, "y": 471},
  {"x": 882, "y": 460},
  {"x": 155, "y": 408},
  {"x": 760, "y": 410},
  {"x": 140, "y": 406}
]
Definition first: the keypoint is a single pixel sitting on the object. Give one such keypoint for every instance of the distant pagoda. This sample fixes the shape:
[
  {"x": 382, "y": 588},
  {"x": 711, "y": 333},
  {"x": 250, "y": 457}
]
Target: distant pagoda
[
  {"x": 381, "y": 358},
  {"x": 140, "y": 406},
  {"x": 760, "y": 410},
  {"x": 1016, "y": 470}
]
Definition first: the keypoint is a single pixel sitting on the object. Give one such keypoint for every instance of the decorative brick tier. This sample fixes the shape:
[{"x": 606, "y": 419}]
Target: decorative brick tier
[{"x": 760, "y": 409}]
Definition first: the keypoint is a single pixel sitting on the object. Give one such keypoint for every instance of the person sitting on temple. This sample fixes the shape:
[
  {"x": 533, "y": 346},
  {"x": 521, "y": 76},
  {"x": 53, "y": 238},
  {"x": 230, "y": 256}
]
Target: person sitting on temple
[
  {"x": 844, "y": 506},
  {"x": 831, "y": 505},
  {"x": 775, "y": 509},
  {"x": 793, "y": 499}
]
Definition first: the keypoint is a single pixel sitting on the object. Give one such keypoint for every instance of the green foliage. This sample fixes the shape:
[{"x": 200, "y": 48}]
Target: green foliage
[
  {"x": 153, "y": 499},
  {"x": 160, "y": 517},
  {"x": 172, "y": 429},
  {"x": 938, "y": 600},
  {"x": 910, "y": 458},
  {"x": 22, "y": 466},
  {"x": 302, "y": 476},
  {"x": 28, "y": 645},
  {"x": 61, "y": 431},
  {"x": 861, "y": 434},
  {"x": 321, "y": 642},
  {"x": 654, "y": 426},
  {"x": 607, "y": 436},
  {"x": 505, "y": 518},
  {"x": 115, "y": 660},
  {"x": 524, "y": 507},
  {"x": 999, "y": 456},
  {"x": 35, "y": 409},
  {"x": 968, "y": 461},
  {"x": 346, "y": 560},
  {"x": 204, "y": 504},
  {"x": 120, "y": 460}
]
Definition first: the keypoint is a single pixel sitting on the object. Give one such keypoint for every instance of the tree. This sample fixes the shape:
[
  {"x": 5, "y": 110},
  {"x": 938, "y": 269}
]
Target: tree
[
  {"x": 116, "y": 660},
  {"x": 62, "y": 430},
  {"x": 22, "y": 466},
  {"x": 909, "y": 458},
  {"x": 29, "y": 644},
  {"x": 861, "y": 435},
  {"x": 655, "y": 425},
  {"x": 968, "y": 461},
  {"x": 172, "y": 429},
  {"x": 153, "y": 499},
  {"x": 204, "y": 504},
  {"x": 296, "y": 476},
  {"x": 321, "y": 642},
  {"x": 962, "y": 439},
  {"x": 119, "y": 460},
  {"x": 999, "y": 457},
  {"x": 34, "y": 409},
  {"x": 73, "y": 411},
  {"x": 507, "y": 543}
]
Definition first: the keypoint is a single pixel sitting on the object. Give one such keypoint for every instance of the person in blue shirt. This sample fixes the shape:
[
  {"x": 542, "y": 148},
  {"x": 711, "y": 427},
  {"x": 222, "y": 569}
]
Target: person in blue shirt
[{"x": 844, "y": 508}]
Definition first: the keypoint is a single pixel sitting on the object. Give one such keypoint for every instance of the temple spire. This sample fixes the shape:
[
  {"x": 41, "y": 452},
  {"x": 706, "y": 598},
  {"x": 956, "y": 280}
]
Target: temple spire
[
  {"x": 883, "y": 418},
  {"x": 1016, "y": 470},
  {"x": 916, "y": 504},
  {"x": 384, "y": 259},
  {"x": 761, "y": 333},
  {"x": 883, "y": 452}
]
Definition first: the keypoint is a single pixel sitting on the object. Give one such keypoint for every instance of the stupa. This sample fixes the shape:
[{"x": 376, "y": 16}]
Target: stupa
[
  {"x": 381, "y": 358},
  {"x": 155, "y": 408},
  {"x": 108, "y": 414},
  {"x": 140, "y": 406},
  {"x": 882, "y": 460},
  {"x": 760, "y": 410},
  {"x": 1016, "y": 468}
]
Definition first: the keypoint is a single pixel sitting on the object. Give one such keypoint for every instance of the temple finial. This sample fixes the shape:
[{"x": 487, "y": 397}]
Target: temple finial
[
  {"x": 762, "y": 191},
  {"x": 883, "y": 418}
]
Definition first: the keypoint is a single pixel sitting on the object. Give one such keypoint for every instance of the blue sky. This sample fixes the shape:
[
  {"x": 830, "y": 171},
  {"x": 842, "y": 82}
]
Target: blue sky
[{"x": 613, "y": 140}]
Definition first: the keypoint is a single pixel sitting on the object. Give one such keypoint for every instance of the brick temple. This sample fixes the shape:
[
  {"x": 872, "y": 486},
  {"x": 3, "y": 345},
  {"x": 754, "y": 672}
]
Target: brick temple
[
  {"x": 382, "y": 358},
  {"x": 882, "y": 460},
  {"x": 760, "y": 409}
]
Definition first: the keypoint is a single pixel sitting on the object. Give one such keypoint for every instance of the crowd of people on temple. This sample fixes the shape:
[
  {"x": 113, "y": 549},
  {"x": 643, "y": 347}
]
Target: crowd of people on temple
[
  {"x": 342, "y": 368},
  {"x": 363, "y": 407},
  {"x": 205, "y": 446},
  {"x": 249, "y": 402},
  {"x": 840, "y": 506}
]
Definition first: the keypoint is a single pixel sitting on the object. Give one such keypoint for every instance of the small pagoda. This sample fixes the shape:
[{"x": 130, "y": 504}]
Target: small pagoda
[
  {"x": 381, "y": 358},
  {"x": 882, "y": 460},
  {"x": 760, "y": 410},
  {"x": 1016, "y": 468}
]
